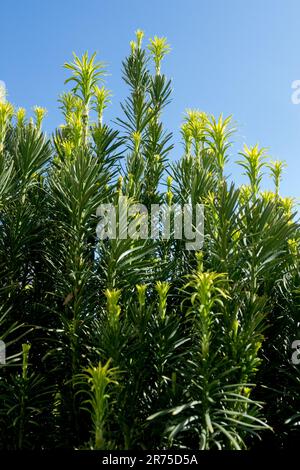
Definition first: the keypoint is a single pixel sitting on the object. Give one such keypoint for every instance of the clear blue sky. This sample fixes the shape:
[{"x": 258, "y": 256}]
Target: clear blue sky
[{"x": 238, "y": 57}]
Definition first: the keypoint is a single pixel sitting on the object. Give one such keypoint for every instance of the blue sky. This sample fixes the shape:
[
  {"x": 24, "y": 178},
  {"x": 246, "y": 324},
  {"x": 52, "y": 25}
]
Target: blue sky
[{"x": 238, "y": 57}]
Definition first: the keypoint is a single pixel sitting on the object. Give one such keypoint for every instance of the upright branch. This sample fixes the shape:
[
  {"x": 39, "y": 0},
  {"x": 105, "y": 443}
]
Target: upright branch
[
  {"x": 158, "y": 48},
  {"x": 86, "y": 73},
  {"x": 276, "y": 167},
  {"x": 146, "y": 140},
  {"x": 253, "y": 163}
]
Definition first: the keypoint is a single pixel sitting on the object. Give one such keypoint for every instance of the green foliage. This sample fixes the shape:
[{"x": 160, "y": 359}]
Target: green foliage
[
  {"x": 97, "y": 379},
  {"x": 253, "y": 163},
  {"x": 133, "y": 343}
]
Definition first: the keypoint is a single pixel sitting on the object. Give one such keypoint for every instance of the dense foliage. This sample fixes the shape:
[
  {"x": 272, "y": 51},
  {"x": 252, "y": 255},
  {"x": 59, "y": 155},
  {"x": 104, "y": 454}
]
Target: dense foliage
[{"x": 130, "y": 343}]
